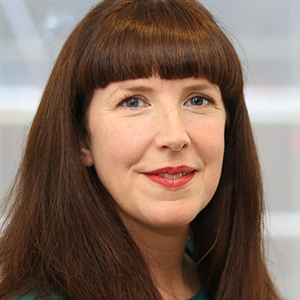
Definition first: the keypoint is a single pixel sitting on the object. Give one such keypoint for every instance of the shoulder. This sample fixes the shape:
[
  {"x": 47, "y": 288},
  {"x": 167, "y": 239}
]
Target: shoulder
[
  {"x": 31, "y": 297},
  {"x": 200, "y": 296},
  {"x": 34, "y": 297}
]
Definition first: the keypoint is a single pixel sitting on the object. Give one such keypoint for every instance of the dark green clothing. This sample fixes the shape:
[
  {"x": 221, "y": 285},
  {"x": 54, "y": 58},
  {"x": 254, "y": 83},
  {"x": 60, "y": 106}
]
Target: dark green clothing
[
  {"x": 200, "y": 296},
  {"x": 189, "y": 250}
]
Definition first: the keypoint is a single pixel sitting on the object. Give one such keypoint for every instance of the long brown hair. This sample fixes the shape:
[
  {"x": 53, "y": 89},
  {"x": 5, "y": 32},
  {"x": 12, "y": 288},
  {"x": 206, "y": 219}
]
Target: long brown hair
[{"x": 62, "y": 233}]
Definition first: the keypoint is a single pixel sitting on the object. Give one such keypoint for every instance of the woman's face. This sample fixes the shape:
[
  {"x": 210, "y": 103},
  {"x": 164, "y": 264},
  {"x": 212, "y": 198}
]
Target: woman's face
[{"x": 157, "y": 146}]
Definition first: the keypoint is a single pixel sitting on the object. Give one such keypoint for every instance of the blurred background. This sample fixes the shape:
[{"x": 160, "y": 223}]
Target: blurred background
[{"x": 267, "y": 37}]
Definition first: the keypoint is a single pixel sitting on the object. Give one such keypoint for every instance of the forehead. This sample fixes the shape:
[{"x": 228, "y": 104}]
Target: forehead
[{"x": 155, "y": 84}]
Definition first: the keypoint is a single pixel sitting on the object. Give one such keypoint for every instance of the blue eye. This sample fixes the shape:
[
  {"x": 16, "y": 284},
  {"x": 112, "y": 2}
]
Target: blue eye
[
  {"x": 133, "y": 102},
  {"x": 197, "y": 101}
]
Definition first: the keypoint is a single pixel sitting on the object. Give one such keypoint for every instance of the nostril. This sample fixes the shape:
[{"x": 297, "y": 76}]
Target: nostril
[
  {"x": 172, "y": 132},
  {"x": 175, "y": 144}
]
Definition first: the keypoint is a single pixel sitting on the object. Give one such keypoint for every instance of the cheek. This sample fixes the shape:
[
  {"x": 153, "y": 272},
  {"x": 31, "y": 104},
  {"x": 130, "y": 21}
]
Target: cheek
[
  {"x": 120, "y": 143},
  {"x": 210, "y": 142}
]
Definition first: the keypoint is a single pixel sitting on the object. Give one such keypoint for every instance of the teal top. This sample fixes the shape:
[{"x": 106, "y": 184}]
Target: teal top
[
  {"x": 33, "y": 297},
  {"x": 200, "y": 296}
]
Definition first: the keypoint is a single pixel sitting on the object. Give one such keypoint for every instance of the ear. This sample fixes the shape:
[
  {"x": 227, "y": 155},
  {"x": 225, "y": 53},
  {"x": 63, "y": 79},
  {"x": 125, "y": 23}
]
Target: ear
[{"x": 87, "y": 157}]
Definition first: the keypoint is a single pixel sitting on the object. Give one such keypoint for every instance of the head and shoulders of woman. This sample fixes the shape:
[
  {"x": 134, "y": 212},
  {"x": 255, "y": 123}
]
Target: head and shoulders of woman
[{"x": 98, "y": 135}]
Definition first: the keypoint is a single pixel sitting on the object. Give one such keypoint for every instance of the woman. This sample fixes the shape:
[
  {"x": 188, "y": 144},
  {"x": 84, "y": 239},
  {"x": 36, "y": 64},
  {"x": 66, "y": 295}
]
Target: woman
[{"x": 140, "y": 178}]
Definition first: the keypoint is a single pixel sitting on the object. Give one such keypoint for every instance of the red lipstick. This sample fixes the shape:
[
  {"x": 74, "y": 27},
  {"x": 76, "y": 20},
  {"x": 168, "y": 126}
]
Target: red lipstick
[{"x": 172, "y": 177}]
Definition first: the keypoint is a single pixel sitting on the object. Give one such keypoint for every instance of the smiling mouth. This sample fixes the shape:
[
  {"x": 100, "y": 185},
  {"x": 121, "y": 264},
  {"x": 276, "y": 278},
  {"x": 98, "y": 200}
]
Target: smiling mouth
[{"x": 173, "y": 176}]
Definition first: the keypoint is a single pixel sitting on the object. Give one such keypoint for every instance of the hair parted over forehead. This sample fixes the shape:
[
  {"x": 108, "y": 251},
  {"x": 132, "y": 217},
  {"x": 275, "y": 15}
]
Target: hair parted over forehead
[{"x": 174, "y": 39}]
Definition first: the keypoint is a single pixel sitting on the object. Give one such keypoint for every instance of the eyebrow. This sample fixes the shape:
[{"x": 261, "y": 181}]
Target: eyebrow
[
  {"x": 142, "y": 88},
  {"x": 201, "y": 87},
  {"x": 139, "y": 88}
]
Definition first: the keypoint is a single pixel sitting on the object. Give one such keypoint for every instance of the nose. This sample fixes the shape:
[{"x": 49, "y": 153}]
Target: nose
[{"x": 172, "y": 132}]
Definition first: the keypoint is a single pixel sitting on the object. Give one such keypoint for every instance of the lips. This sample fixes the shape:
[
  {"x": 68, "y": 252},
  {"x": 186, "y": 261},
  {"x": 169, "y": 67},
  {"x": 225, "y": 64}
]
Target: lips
[{"x": 172, "y": 177}]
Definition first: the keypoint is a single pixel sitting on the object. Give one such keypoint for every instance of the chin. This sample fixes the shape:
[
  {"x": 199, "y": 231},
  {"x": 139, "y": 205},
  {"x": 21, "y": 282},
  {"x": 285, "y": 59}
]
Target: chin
[{"x": 172, "y": 220}]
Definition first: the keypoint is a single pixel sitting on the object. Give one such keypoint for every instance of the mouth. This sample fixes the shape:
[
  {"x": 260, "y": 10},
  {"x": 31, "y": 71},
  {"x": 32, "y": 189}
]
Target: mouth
[{"x": 172, "y": 177}]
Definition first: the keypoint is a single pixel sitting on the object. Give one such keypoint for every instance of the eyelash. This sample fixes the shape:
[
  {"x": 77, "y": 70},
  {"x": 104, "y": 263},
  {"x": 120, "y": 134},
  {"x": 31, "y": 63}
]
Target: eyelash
[
  {"x": 203, "y": 98},
  {"x": 128, "y": 98}
]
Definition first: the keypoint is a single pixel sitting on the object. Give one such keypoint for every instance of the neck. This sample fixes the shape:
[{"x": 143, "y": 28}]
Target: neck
[{"x": 164, "y": 251}]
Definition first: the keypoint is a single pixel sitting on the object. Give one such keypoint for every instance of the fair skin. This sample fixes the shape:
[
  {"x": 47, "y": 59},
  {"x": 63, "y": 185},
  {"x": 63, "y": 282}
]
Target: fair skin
[{"x": 157, "y": 146}]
